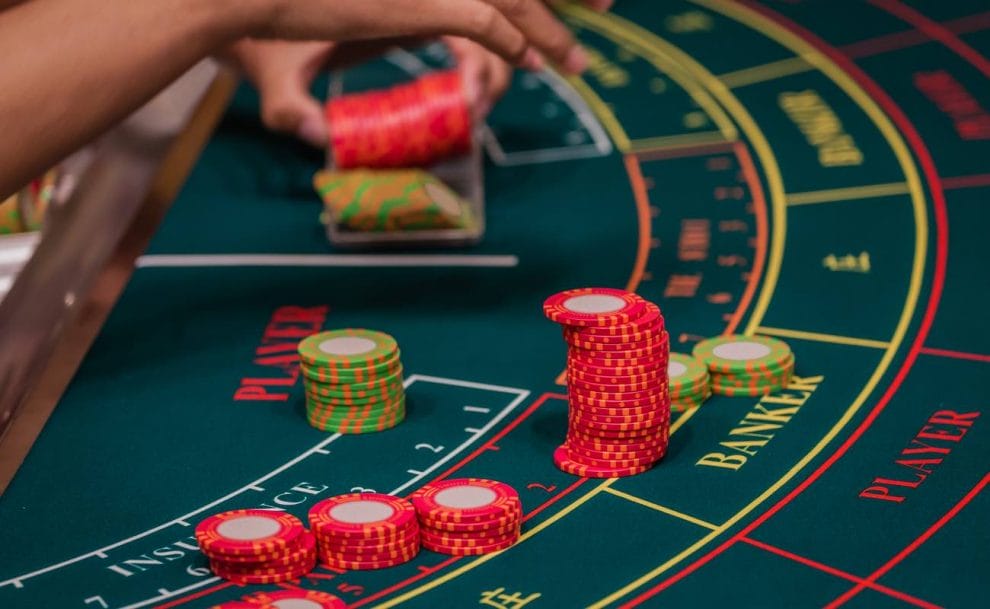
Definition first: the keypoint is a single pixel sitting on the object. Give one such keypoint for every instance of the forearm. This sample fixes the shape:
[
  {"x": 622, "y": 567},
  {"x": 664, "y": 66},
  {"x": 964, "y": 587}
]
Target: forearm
[{"x": 73, "y": 68}]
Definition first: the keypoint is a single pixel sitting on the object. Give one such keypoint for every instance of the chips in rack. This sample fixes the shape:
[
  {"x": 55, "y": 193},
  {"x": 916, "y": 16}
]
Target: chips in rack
[
  {"x": 746, "y": 365},
  {"x": 468, "y": 516},
  {"x": 256, "y": 546},
  {"x": 414, "y": 124},
  {"x": 391, "y": 200},
  {"x": 690, "y": 384},
  {"x": 10, "y": 216},
  {"x": 353, "y": 381},
  {"x": 617, "y": 382},
  {"x": 365, "y": 531}
]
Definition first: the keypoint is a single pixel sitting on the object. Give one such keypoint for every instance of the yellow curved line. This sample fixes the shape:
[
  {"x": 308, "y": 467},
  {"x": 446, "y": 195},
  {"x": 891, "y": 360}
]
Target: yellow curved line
[
  {"x": 647, "y": 41},
  {"x": 890, "y": 133},
  {"x": 677, "y": 74}
]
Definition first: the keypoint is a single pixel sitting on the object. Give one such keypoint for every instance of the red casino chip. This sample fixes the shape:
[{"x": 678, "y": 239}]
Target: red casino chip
[
  {"x": 365, "y": 546},
  {"x": 579, "y": 451},
  {"x": 616, "y": 411},
  {"x": 387, "y": 553},
  {"x": 465, "y": 500},
  {"x": 616, "y": 335},
  {"x": 615, "y": 401},
  {"x": 650, "y": 320},
  {"x": 470, "y": 550},
  {"x": 362, "y": 516},
  {"x": 284, "y": 575},
  {"x": 297, "y": 553},
  {"x": 611, "y": 462},
  {"x": 601, "y": 398},
  {"x": 248, "y": 533},
  {"x": 295, "y": 599},
  {"x": 655, "y": 349},
  {"x": 410, "y": 125},
  {"x": 649, "y": 385},
  {"x": 242, "y": 605},
  {"x": 598, "y": 444},
  {"x": 594, "y": 307},
  {"x": 492, "y": 527},
  {"x": 650, "y": 344},
  {"x": 598, "y": 360},
  {"x": 562, "y": 459},
  {"x": 364, "y": 565},
  {"x": 648, "y": 419},
  {"x": 654, "y": 366},
  {"x": 440, "y": 538},
  {"x": 614, "y": 379},
  {"x": 581, "y": 432}
]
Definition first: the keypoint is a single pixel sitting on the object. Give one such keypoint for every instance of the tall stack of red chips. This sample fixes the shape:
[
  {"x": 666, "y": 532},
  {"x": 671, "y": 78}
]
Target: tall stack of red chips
[
  {"x": 410, "y": 125},
  {"x": 257, "y": 546},
  {"x": 617, "y": 386}
]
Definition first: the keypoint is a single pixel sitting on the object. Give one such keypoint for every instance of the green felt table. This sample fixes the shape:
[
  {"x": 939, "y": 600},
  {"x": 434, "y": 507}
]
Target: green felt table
[{"x": 813, "y": 171}]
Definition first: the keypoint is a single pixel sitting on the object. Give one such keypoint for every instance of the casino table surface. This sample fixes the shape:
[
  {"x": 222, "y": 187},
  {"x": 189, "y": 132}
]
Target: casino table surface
[{"x": 817, "y": 172}]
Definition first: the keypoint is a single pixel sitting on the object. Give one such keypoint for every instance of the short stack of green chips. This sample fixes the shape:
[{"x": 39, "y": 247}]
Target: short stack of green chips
[
  {"x": 353, "y": 381},
  {"x": 746, "y": 365},
  {"x": 690, "y": 384}
]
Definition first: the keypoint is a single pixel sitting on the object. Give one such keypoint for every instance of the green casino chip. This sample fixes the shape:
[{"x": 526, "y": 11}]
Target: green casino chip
[
  {"x": 735, "y": 354},
  {"x": 347, "y": 348}
]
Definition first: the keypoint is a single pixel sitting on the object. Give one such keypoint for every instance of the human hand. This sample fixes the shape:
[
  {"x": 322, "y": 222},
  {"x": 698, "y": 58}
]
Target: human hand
[
  {"x": 522, "y": 32},
  {"x": 283, "y": 73}
]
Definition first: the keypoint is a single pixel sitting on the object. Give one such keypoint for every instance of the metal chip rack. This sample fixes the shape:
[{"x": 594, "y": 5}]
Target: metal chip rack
[{"x": 464, "y": 175}]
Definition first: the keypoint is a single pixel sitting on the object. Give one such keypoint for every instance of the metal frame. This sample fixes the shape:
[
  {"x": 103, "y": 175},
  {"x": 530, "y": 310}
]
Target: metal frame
[{"x": 59, "y": 301}]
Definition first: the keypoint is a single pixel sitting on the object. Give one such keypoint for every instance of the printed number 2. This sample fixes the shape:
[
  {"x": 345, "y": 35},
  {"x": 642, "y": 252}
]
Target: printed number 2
[{"x": 435, "y": 449}]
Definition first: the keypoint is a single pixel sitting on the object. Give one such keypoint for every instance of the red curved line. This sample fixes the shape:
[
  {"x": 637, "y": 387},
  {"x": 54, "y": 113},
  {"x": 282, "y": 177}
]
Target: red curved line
[
  {"x": 752, "y": 179},
  {"x": 935, "y": 31},
  {"x": 914, "y": 545},
  {"x": 908, "y": 38},
  {"x": 645, "y": 228},
  {"x": 938, "y": 280}
]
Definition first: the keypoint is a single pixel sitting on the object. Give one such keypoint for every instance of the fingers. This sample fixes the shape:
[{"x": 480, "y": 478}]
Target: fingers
[
  {"x": 483, "y": 23},
  {"x": 599, "y": 5},
  {"x": 290, "y": 109},
  {"x": 545, "y": 32},
  {"x": 499, "y": 78},
  {"x": 485, "y": 75},
  {"x": 283, "y": 72}
]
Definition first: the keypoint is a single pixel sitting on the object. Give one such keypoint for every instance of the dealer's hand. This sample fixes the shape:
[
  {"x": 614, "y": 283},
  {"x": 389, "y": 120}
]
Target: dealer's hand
[
  {"x": 521, "y": 31},
  {"x": 283, "y": 72}
]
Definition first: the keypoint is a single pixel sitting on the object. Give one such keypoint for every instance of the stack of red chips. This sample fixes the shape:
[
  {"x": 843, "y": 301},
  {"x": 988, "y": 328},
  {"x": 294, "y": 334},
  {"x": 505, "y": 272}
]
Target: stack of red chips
[
  {"x": 617, "y": 386},
  {"x": 468, "y": 516},
  {"x": 257, "y": 546},
  {"x": 365, "y": 531},
  {"x": 410, "y": 125}
]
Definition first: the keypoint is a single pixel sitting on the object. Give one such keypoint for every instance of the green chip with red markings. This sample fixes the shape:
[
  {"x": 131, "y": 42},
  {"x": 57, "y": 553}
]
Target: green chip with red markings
[
  {"x": 689, "y": 379},
  {"x": 742, "y": 354},
  {"x": 347, "y": 348}
]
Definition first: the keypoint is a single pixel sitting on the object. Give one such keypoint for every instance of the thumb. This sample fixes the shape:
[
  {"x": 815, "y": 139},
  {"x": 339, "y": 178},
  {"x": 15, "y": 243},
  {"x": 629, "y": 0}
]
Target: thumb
[{"x": 287, "y": 106}]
